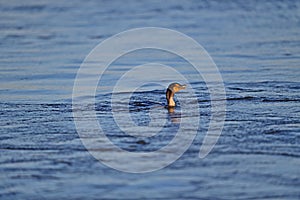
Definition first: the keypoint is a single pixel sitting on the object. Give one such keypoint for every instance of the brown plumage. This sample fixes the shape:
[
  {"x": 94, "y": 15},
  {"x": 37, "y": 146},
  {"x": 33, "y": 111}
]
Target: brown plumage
[{"x": 171, "y": 90}]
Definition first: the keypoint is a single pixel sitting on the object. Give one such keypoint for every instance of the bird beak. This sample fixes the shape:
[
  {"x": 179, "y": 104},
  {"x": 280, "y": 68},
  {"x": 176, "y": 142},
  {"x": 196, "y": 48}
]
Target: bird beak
[{"x": 182, "y": 87}]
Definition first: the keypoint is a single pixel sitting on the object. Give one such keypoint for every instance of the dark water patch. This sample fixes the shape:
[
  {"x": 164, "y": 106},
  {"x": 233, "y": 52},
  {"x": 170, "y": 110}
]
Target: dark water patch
[
  {"x": 49, "y": 148},
  {"x": 14, "y": 36},
  {"x": 98, "y": 37},
  {"x": 242, "y": 56},
  {"x": 2, "y": 138},
  {"x": 272, "y": 131},
  {"x": 177, "y": 7},
  {"x": 261, "y": 152},
  {"x": 245, "y": 98},
  {"x": 29, "y": 8},
  {"x": 245, "y": 89},
  {"x": 274, "y": 43},
  {"x": 35, "y": 177},
  {"x": 46, "y": 37},
  {"x": 60, "y": 76},
  {"x": 283, "y": 99}
]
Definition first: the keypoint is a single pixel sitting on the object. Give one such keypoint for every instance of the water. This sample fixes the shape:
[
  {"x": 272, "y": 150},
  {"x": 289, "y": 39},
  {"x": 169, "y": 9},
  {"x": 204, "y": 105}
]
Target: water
[{"x": 255, "y": 46}]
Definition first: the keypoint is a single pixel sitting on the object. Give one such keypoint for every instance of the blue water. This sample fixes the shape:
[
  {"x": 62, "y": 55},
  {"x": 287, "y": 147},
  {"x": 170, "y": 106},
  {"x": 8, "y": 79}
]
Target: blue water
[{"x": 256, "y": 46}]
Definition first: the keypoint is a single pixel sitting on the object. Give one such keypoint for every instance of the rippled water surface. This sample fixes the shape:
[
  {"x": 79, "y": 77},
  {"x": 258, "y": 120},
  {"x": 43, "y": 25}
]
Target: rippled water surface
[{"x": 256, "y": 46}]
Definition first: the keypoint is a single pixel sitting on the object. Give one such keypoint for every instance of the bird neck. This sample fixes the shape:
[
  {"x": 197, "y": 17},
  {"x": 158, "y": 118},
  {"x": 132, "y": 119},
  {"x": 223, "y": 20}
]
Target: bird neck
[
  {"x": 169, "y": 96},
  {"x": 171, "y": 102}
]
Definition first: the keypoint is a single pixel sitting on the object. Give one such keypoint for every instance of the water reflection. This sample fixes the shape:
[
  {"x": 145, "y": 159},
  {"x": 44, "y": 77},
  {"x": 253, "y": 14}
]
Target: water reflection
[{"x": 173, "y": 116}]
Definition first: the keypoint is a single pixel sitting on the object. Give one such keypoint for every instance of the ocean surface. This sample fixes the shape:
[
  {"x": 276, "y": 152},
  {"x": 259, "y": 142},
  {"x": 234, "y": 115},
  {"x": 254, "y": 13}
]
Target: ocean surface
[{"x": 256, "y": 46}]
